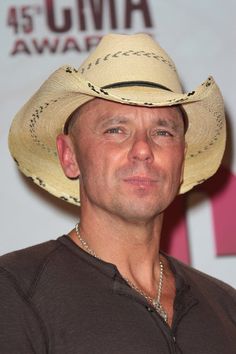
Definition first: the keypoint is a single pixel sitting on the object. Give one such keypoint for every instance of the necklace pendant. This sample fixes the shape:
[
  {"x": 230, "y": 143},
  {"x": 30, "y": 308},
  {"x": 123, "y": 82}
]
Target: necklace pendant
[{"x": 159, "y": 309}]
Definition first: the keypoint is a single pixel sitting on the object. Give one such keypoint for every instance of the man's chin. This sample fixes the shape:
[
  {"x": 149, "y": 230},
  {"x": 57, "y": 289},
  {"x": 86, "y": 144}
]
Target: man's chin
[{"x": 139, "y": 212}]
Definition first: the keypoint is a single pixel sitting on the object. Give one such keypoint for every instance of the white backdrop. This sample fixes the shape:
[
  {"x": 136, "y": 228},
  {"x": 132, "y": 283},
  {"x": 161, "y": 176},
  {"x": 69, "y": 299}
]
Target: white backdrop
[{"x": 199, "y": 36}]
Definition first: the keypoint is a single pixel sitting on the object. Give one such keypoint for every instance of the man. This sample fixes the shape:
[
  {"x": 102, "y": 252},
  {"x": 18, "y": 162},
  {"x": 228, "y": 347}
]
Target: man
[{"x": 128, "y": 141}]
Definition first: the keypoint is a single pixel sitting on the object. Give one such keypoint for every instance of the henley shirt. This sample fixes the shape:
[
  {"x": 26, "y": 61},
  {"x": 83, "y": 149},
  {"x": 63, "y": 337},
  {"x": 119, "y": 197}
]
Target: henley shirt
[{"x": 57, "y": 299}]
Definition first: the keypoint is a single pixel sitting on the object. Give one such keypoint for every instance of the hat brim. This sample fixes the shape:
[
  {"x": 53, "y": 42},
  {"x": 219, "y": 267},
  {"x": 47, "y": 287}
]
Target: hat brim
[{"x": 32, "y": 138}]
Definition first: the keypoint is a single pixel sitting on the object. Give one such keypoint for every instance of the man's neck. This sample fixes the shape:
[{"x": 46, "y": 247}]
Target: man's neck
[{"x": 132, "y": 246}]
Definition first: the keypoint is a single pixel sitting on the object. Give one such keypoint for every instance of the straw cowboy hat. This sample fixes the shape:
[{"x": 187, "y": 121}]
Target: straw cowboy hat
[{"x": 130, "y": 69}]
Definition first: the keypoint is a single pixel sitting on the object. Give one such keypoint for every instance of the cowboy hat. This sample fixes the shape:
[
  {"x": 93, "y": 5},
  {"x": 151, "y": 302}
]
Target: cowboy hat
[{"x": 130, "y": 69}]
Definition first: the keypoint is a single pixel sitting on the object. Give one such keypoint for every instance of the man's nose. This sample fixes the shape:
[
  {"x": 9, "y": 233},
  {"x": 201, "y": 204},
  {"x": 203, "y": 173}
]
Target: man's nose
[{"x": 141, "y": 149}]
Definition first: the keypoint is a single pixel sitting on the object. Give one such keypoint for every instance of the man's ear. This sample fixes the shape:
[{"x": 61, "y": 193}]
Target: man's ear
[
  {"x": 182, "y": 171},
  {"x": 67, "y": 157}
]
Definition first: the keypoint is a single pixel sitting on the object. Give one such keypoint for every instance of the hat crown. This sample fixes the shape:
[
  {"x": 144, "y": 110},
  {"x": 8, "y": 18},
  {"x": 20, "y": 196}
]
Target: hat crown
[{"x": 124, "y": 58}]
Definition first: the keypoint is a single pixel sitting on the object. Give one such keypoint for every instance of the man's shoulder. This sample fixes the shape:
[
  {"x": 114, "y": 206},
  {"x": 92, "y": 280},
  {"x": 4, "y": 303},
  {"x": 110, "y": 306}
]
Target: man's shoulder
[
  {"x": 24, "y": 266},
  {"x": 202, "y": 281}
]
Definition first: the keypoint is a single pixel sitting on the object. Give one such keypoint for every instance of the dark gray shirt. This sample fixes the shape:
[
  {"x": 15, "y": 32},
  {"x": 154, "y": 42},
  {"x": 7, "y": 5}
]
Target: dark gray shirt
[{"x": 56, "y": 298}]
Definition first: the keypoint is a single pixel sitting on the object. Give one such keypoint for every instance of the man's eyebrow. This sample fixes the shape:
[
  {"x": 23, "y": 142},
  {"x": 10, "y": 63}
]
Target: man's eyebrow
[
  {"x": 168, "y": 123},
  {"x": 105, "y": 121}
]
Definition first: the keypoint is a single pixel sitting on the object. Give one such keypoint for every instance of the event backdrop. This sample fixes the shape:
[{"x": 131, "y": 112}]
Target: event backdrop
[{"x": 38, "y": 36}]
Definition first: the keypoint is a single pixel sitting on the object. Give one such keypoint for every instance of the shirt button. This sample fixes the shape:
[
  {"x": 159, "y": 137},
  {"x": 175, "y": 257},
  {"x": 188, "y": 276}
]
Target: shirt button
[{"x": 149, "y": 309}]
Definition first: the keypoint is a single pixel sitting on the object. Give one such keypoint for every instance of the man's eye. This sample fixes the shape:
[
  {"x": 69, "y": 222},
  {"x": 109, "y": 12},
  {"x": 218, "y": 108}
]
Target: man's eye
[
  {"x": 113, "y": 131},
  {"x": 163, "y": 133}
]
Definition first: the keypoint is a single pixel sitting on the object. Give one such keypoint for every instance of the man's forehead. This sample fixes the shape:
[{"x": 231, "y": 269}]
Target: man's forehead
[
  {"x": 101, "y": 110},
  {"x": 100, "y": 106}
]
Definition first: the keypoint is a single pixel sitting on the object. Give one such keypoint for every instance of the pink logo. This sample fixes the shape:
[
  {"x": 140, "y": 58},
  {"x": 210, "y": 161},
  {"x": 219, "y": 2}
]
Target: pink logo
[{"x": 221, "y": 191}]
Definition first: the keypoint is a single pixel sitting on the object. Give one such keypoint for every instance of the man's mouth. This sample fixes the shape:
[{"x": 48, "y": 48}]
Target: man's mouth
[{"x": 140, "y": 180}]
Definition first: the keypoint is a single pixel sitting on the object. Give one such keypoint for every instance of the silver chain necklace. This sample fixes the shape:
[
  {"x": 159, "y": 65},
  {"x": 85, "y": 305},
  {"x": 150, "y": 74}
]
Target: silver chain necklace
[{"x": 156, "y": 301}]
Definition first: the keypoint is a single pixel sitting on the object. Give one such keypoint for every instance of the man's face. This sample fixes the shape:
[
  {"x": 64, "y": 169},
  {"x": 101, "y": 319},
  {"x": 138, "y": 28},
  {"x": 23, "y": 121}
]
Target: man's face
[{"x": 130, "y": 158}]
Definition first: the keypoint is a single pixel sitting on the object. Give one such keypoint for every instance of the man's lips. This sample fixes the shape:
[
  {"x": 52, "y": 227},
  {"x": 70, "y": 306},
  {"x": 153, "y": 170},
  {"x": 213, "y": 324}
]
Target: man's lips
[{"x": 140, "y": 180}]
